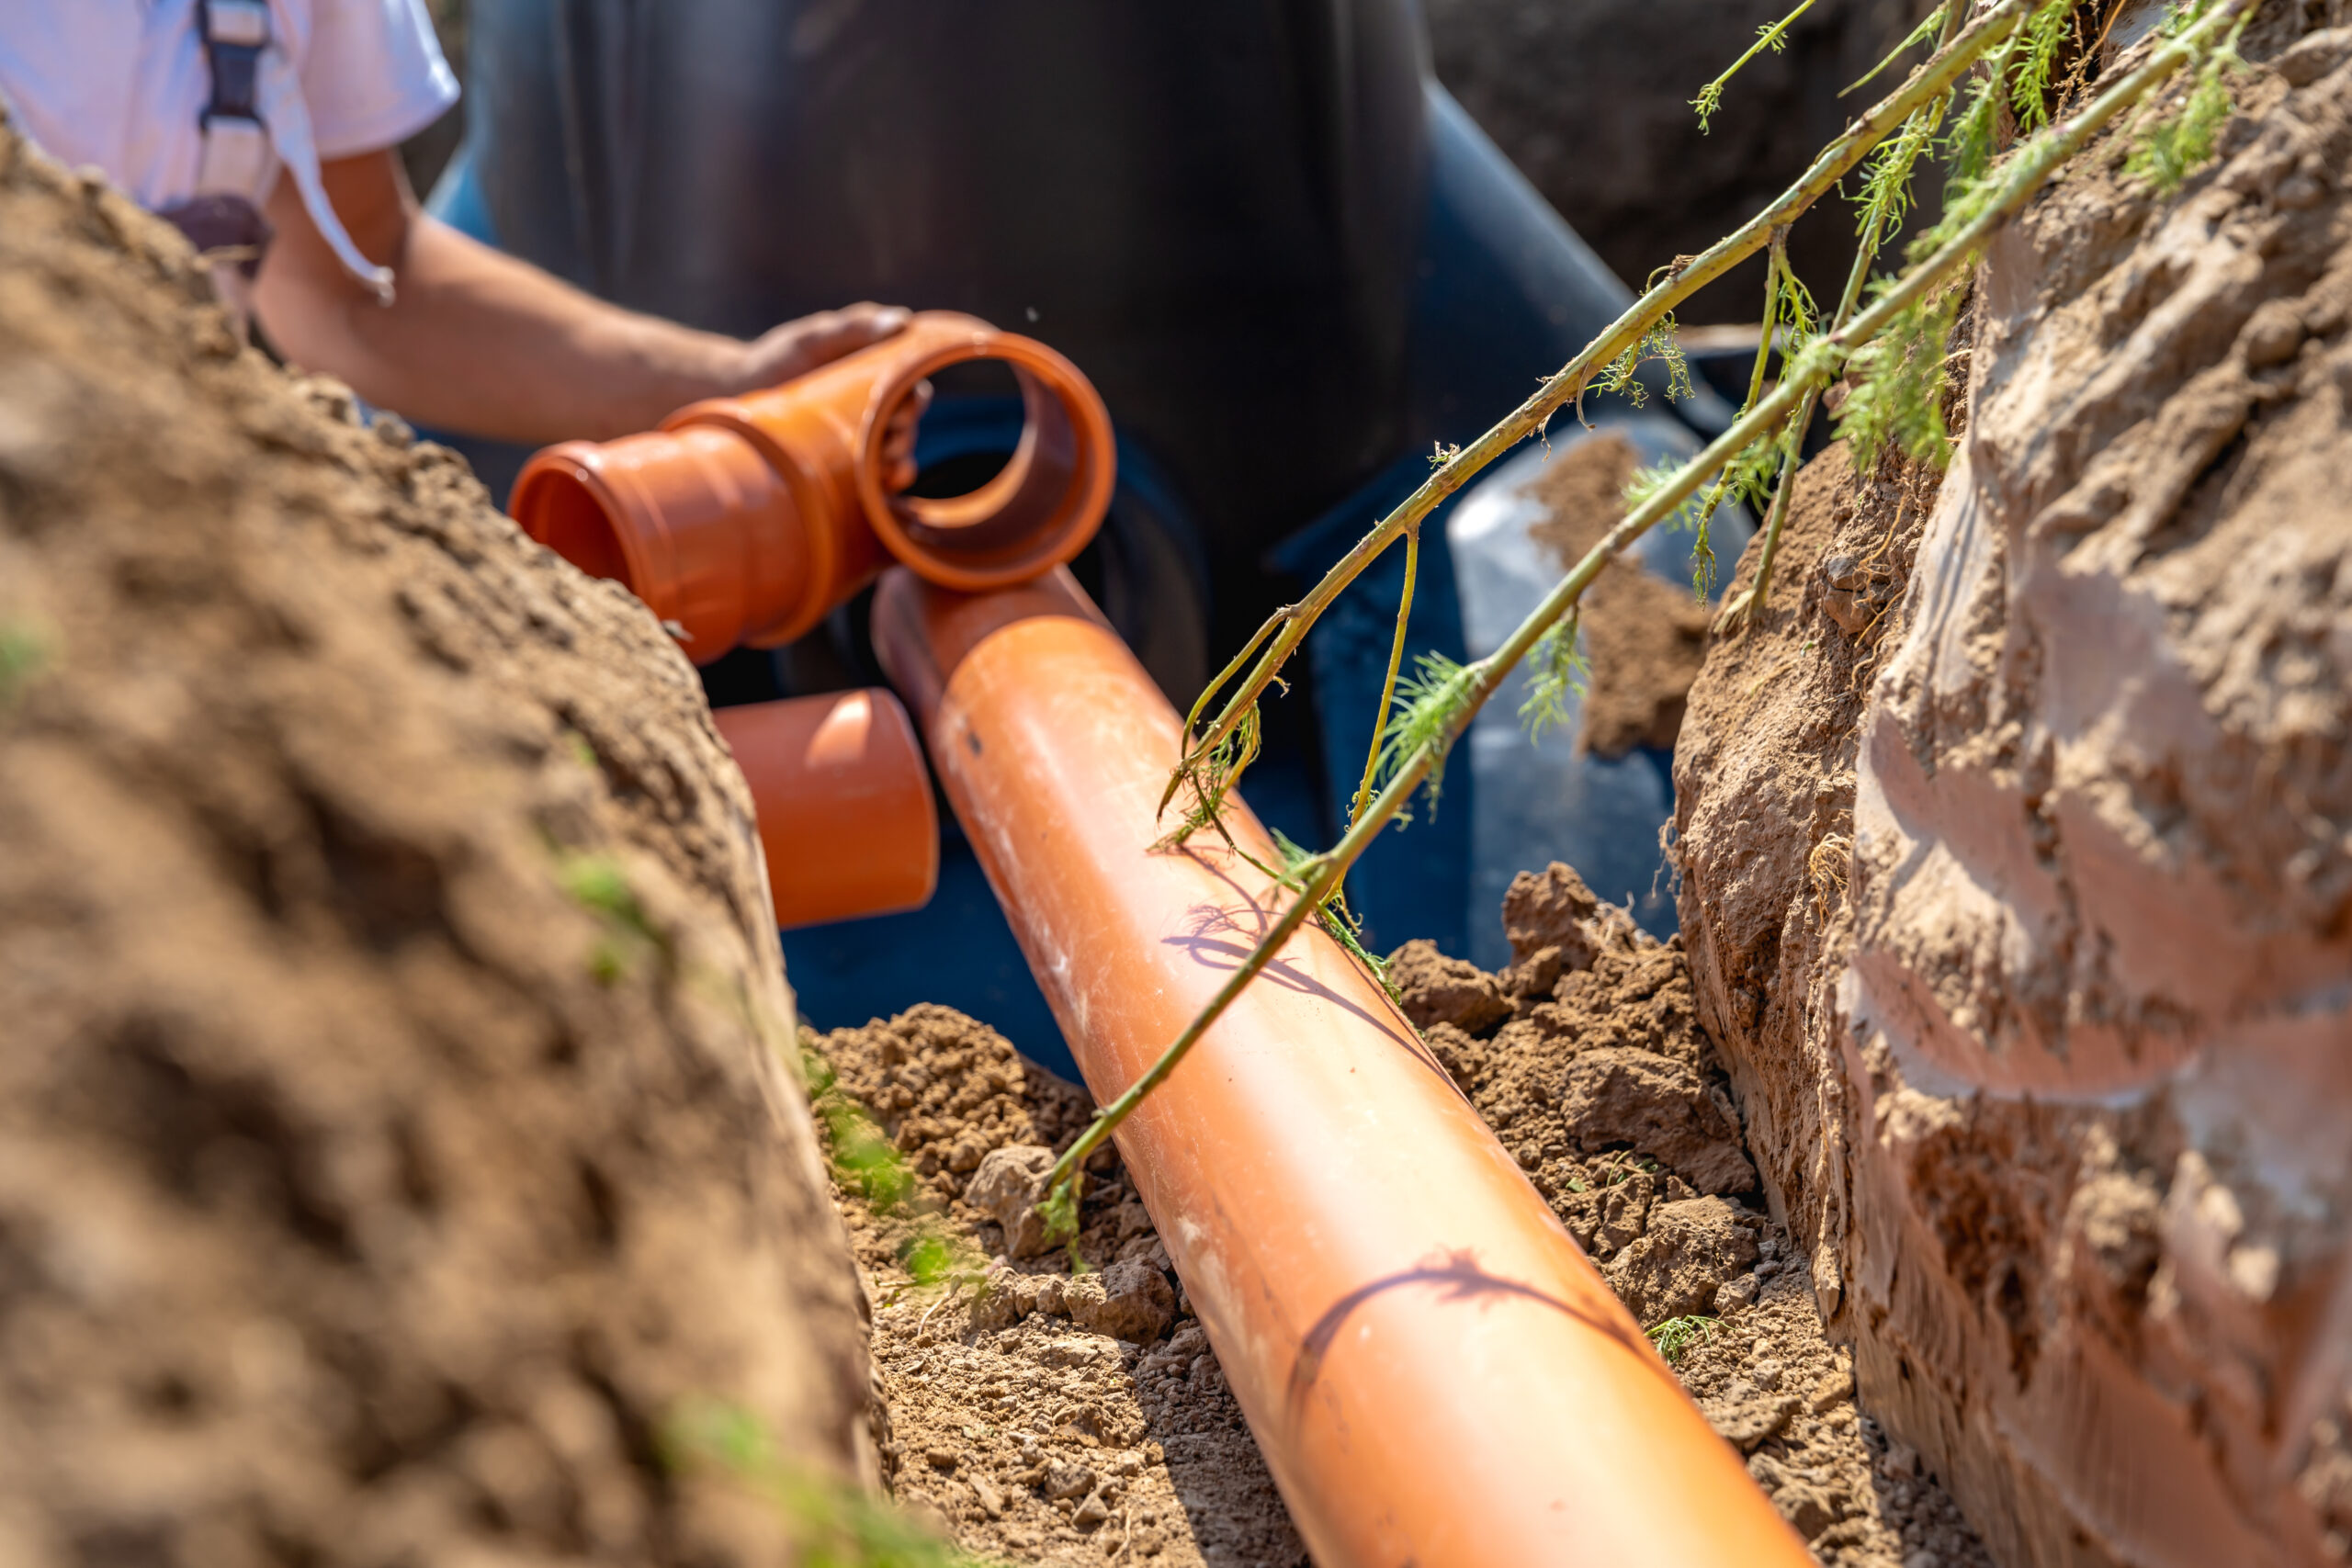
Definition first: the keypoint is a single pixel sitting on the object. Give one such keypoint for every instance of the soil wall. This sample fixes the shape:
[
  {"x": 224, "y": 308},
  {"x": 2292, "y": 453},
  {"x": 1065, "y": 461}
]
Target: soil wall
[
  {"x": 2017, "y": 878},
  {"x": 393, "y": 1131}
]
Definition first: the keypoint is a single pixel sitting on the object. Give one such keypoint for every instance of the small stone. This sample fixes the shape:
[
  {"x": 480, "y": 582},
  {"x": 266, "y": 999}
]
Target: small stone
[
  {"x": 1766, "y": 1374},
  {"x": 991, "y": 1500},
  {"x": 1064, "y": 1481},
  {"x": 1129, "y": 1301},
  {"x": 1735, "y": 1293},
  {"x": 1902, "y": 1459},
  {"x": 1007, "y": 1188},
  {"x": 1833, "y": 1389},
  {"x": 1090, "y": 1513},
  {"x": 1807, "y": 1506},
  {"x": 1050, "y": 1294},
  {"x": 1923, "y": 1559},
  {"x": 997, "y": 1302},
  {"x": 939, "y": 1457},
  {"x": 1744, "y": 1418}
]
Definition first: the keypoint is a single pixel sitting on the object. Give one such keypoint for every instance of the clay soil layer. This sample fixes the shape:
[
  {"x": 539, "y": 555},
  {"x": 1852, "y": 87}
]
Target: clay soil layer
[{"x": 2017, "y": 854}]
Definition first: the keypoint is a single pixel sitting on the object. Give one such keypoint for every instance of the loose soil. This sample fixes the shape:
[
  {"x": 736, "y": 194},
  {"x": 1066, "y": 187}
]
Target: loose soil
[
  {"x": 1585, "y": 1057},
  {"x": 1643, "y": 636},
  {"x": 1054, "y": 1422},
  {"x": 1050, "y": 1420},
  {"x": 392, "y": 1132}
]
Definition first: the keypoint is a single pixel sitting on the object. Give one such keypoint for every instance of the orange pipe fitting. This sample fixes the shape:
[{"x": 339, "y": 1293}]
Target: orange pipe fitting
[
  {"x": 745, "y": 520},
  {"x": 846, "y": 814},
  {"x": 1435, "y": 1372}
]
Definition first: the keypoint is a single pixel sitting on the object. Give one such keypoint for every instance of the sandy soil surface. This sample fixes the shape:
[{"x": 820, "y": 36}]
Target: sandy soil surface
[
  {"x": 1062, "y": 1420},
  {"x": 391, "y": 1132}
]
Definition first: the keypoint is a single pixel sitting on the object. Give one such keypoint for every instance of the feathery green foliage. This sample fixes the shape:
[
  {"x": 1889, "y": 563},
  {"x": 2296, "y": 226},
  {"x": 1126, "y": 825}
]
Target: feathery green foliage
[
  {"x": 1897, "y": 404},
  {"x": 1427, "y": 703},
  {"x": 866, "y": 1163},
  {"x": 834, "y": 1523},
  {"x": 1773, "y": 36},
  {"x": 1557, "y": 673},
  {"x": 1885, "y": 199},
  {"x": 1337, "y": 921},
  {"x": 2044, "y": 35},
  {"x": 2178, "y": 144},
  {"x": 1676, "y": 1336},
  {"x": 1213, "y": 778},
  {"x": 1976, "y": 133},
  {"x": 1663, "y": 342}
]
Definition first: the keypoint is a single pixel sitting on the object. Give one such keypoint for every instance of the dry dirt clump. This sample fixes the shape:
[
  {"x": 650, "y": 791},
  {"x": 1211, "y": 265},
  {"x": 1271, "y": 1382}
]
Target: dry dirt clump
[
  {"x": 2022, "y": 911},
  {"x": 1041, "y": 1415},
  {"x": 1585, "y": 1057},
  {"x": 1643, "y": 636},
  {"x": 393, "y": 1135}
]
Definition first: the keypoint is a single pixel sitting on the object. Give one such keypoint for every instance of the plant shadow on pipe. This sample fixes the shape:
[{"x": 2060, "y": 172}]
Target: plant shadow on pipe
[{"x": 1460, "y": 1278}]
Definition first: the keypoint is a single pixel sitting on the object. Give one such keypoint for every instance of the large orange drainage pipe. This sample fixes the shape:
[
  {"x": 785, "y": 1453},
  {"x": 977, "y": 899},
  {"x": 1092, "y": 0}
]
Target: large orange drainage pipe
[{"x": 1436, "y": 1374}]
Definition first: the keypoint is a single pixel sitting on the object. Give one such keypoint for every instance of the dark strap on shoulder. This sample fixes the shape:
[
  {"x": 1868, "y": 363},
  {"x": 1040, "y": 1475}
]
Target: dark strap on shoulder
[{"x": 235, "y": 32}]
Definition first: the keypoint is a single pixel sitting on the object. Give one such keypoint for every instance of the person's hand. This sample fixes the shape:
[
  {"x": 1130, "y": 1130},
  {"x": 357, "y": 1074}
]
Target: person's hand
[{"x": 793, "y": 349}]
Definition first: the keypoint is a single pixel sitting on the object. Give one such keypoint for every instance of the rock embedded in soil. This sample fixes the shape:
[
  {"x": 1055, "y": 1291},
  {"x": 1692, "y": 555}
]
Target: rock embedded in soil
[
  {"x": 1007, "y": 1187},
  {"x": 392, "y": 1135},
  {"x": 1686, "y": 1252}
]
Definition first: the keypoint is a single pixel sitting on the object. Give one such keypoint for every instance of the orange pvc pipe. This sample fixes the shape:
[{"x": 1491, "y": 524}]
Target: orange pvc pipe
[
  {"x": 845, "y": 815},
  {"x": 1435, "y": 1372},
  {"x": 745, "y": 520}
]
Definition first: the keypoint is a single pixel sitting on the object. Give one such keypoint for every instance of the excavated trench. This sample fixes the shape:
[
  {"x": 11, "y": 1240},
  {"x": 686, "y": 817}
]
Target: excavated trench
[
  {"x": 403, "y": 1157},
  {"x": 1080, "y": 1419}
]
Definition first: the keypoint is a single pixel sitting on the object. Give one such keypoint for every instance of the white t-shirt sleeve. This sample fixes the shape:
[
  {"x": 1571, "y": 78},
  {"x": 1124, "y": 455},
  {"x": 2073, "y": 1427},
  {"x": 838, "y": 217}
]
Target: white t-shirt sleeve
[{"x": 373, "y": 76}]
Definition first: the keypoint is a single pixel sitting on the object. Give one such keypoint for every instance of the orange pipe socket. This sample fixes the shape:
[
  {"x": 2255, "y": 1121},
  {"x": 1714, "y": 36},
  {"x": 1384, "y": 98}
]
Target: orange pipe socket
[
  {"x": 845, "y": 815},
  {"x": 745, "y": 520},
  {"x": 1435, "y": 1372}
]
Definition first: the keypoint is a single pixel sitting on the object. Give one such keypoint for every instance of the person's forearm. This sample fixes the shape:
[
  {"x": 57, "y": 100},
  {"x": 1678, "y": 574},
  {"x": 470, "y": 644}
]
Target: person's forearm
[{"x": 477, "y": 342}]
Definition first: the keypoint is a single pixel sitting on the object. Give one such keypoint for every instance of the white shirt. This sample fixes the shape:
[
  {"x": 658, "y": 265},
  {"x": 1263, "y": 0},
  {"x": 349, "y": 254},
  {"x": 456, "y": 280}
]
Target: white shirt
[{"x": 121, "y": 85}]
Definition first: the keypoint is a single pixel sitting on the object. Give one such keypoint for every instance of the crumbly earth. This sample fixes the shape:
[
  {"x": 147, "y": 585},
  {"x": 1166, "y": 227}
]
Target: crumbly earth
[
  {"x": 2015, "y": 842},
  {"x": 1055, "y": 1420},
  {"x": 1051, "y": 1419},
  {"x": 393, "y": 1135},
  {"x": 1643, "y": 636},
  {"x": 1585, "y": 1057}
]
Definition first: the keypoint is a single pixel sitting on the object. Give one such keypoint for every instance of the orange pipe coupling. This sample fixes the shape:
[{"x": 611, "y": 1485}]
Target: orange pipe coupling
[
  {"x": 1435, "y": 1372},
  {"x": 745, "y": 520},
  {"x": 846, "y": 821}
]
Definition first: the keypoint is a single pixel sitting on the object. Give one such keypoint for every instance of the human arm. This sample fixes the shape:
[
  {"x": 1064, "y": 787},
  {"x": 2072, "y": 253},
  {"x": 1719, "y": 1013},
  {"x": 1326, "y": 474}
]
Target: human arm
[{"x": 479, "y": 341}]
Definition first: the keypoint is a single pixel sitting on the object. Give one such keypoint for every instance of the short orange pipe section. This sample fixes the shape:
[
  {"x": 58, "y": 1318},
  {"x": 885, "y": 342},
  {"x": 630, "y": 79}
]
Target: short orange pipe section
[
  {"x": 1435, "y": 1372},
  {"x": 745, "y": 520},
  {"x": 846, "y": 814}
]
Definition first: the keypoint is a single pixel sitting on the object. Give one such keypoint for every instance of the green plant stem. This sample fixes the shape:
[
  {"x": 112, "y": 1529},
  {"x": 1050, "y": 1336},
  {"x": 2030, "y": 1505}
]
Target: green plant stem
[
  {"x": 1388, "y": 690},
  {"x": 1289, "y": 626},
  {"x": 1816, "y": 368},
  {"x": 1771, "y": 38}
]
